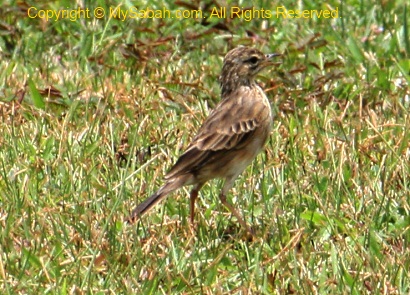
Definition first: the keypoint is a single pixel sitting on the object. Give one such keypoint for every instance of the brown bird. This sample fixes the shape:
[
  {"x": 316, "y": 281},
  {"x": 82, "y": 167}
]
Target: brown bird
[{"x": 229, "y": 139}]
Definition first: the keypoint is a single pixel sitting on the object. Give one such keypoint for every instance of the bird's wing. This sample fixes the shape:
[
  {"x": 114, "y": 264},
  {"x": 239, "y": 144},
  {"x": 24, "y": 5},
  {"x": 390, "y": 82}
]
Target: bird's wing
[{"x": 228, "y": 127}]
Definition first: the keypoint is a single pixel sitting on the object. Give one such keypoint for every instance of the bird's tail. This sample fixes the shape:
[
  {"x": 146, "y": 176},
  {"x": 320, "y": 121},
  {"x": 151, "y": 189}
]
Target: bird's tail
[{"x": 146, "y": 205}]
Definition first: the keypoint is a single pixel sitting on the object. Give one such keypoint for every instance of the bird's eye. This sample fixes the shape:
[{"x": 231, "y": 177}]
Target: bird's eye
[{"x": 253, "y": 60}]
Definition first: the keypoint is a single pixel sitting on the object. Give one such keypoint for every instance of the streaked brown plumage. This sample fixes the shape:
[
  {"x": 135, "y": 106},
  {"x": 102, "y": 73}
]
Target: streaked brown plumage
[{"x": 229, "y": 139}]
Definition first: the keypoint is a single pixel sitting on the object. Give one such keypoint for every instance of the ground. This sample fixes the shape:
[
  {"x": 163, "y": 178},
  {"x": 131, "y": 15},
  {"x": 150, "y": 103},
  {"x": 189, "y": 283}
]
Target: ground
[{"x": 98, "y": 100}]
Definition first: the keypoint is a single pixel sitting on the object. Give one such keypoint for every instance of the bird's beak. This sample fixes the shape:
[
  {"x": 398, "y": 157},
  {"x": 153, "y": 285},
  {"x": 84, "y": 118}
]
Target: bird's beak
[
  {"x": 272, "y": 55},
  {"x": 269, "y": 57}
]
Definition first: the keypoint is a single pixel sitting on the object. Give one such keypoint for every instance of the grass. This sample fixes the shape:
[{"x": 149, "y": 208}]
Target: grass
[{"x": 94, "y": 111}]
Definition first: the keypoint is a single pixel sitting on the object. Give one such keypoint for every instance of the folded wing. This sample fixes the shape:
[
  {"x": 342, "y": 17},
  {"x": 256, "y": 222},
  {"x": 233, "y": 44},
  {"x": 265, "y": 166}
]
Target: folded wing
[{"x": 220, "y": 133}]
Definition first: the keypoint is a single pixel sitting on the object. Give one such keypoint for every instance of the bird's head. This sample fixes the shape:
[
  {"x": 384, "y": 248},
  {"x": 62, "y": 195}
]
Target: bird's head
[{"x": 241, "y": 65}]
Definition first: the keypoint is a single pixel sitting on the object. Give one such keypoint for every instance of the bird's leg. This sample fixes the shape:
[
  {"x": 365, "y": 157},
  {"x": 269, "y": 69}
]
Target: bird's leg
[
  {"x": 193, "y": 197},
  {"x": 228, "y": 205}
]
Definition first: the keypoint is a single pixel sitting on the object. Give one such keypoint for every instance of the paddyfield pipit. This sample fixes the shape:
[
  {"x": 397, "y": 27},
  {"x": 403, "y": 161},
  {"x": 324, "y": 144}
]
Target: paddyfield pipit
[{"x": 229, "y": 139}]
